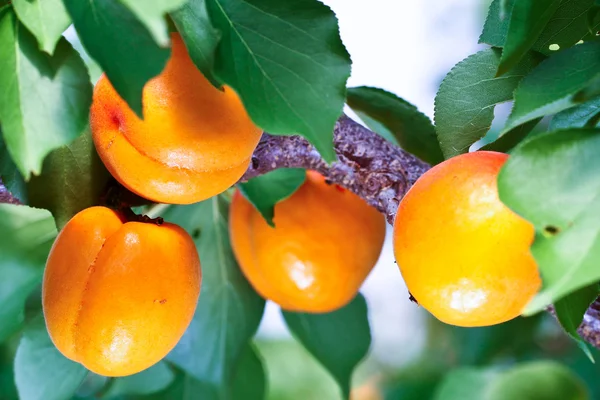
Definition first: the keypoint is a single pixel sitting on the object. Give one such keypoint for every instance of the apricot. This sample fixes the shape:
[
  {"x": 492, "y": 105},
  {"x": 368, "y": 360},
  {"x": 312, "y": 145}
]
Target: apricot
[
  {"x": 194, "y": 142},
  {"x": 325, "y": 242},
  {"x": 117, "y": 296},
  {"x": 463, "y": 254}
]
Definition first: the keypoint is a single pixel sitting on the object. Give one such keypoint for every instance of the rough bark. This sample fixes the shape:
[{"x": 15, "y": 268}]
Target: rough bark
[{"x": 369, "y": 166}]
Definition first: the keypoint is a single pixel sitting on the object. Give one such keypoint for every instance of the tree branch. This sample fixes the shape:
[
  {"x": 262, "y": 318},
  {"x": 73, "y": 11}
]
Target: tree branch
[{"x": 368, "y": 165}]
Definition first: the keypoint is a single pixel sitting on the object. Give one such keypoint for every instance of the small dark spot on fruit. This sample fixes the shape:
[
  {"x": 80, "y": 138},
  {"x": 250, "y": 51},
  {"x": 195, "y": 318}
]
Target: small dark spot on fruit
[
  {"x": 162, "y": 301},
  {"x": 328, "y": 181}
]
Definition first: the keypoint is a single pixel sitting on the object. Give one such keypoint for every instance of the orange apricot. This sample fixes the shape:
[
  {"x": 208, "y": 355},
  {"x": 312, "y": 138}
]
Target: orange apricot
[
  {"x": 117, "y": 296},
  {"x": 194, "y": 142},
  {"x": 463, "y": 254},
  {"x": 325, "y": 242}
]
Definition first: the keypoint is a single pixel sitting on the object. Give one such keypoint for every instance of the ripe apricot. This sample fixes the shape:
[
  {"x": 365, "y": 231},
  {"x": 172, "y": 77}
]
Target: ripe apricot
[
  {"x": 194, "y": 142},
  {"x": 325, "y": 242},
  {"x": 463, "y": 254},
  {"x": 117, "y": 296}
]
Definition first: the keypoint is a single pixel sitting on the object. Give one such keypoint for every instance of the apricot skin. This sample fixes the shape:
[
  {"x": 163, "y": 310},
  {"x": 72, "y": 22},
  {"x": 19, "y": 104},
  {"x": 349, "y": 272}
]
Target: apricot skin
[
  {"x": 194, "y": 142},
  {"x": 117, "y": 297},
  {"x": 463, "y": 254},
  {"x": 325, "y": 242}
]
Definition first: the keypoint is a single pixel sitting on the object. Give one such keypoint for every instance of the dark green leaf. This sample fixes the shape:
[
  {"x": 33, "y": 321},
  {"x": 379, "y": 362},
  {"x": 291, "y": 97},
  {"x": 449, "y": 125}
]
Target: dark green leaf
[
  {"x": 44, "y": 100},
  {"x": 154, "y": 379},
  {"x": 250, "y": 382},
  {"x": 576, "y": 117},
  {"x": 510, "y": 139},
  {"x": 482, "y": 345},
  {"x": 411, "y": 129},
  {"x": 91, "y": 385},
  {"x": 527, "y": 21},
  {"x": 467, "y": 384},
  {"x": 46, "y": 19},
  {"x": 570, "y": 311},
  {"x": 566, "y": 27},
  {"x": 41, "y": 372},
  {"x": 121, "y": 45},
  {"x": 72, "y": 179},
  {"x": 496, "y": 24},
  {"x": 416, "y": 381},
  {"x": 552, "y": 181},
  {"x": 589, "y": 92},
  {"x": 152, "y": 15},
  {"x": 10, "y": 175},
  {"x": 8, "y": 390},
  {"x": 339, "y": 340},
  {"x": 464, "y": 104},
  {"x": 287, "y": 62},
  {"x": 550, "y": 87},
  {"x": 541, "y": 380},
  {"x": 267, "y": 190},
  {"x": 229, "y": 311},
  {"x": 27, "y": 235},
  {"x": 200, "y": 37}
]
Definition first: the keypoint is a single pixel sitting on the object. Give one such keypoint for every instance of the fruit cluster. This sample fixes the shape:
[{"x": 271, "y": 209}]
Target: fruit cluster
[{"x": 118, "y": 293}]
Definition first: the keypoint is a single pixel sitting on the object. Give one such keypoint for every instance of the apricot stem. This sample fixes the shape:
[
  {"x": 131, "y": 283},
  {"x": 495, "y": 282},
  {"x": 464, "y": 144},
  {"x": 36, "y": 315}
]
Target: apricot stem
[
  {"x": 116, "y": 196},
  {"x": 131, "y": 216}
]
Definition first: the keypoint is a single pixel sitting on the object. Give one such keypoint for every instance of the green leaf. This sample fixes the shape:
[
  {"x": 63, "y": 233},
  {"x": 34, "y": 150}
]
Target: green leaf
[
  {"x": 467, "y": 384},
  {"x": 230, "y": 310},
  {"x": 121, "y": 44},
  {"x": 416, "y": 381},
  {"x": 527, "y": 21},
  {"x": 339, "y": 340},
  {"x": 250, "y": 382},
  {"x": 199, "y": 35},
  {"x": 576, "y": 117},
  {"x": 267, "y": 190},
  {"x": 510, "y": 139},
  {"x": 570, "y": 311},
  {"x": 152, "y": 14},
  {"x": 551, "y": 180},
  {"x": 483, "y": 345},
  {"x": 27, "y": 235},
  {"x": 91, "y": 385},
  {"x": 540, "y": 380},
  {"x": 496, "y": 24},
  {"x": 464, "y": 104},
  {"x": 72, "y": 179},
  {"x": 565, "y": 27},
  {"x": 287, "y": 62},
  {"x": 44, "y": 100},
  {"x": 41, "y": 372},
  {"x": 550, "y": 87},
  {"x": 46, "y": 19},
  {"x": 154, "y": 379},
  {"x": 8, "y": 388},
  {"x": 411, "y": 129}
]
